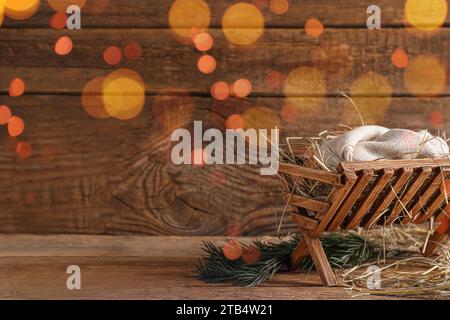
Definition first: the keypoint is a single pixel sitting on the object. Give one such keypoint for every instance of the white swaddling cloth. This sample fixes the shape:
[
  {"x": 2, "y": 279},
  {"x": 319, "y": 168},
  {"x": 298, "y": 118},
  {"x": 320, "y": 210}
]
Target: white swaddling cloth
[{"x": 371, "y": 142}]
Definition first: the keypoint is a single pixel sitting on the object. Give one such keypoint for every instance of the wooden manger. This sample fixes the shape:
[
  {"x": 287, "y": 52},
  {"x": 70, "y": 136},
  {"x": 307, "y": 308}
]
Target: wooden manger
[{"x": 363, "y": 194}]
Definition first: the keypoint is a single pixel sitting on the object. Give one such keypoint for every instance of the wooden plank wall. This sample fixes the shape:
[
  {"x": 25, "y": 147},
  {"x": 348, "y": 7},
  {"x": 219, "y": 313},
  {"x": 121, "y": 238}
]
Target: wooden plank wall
[{"x": 114, "y": 177}]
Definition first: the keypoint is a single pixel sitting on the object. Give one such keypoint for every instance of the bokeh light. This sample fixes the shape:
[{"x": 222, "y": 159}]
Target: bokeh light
[
  {"x": 289, "y": 113},
  {"x": 206, "y": 64},
  {"x": 260, "y": 117},
  {"x": 198, "y": 157},
  {"x": 443, "y": 224},
  {"x": 426, "y": 15},
  {"x": 184, "y": 15},
  {"x": 251, "y": 255},
  {"x": 61, "y": 5},
  {"x": 133, "y": 51},
  {"x": 112, "y": 55},
  {"x": 63, "y": 46},
  {"x": 235, "y": 122},
  {"x": 275, "y": 80},
  {"x": 16, "y": 87},
  {"x": 123, "y": 94},
  {"x": 92, "y": 98},
  {"x": 313, "y": 28},
  {"x": 21, "y": 9},
  {"x": 242, "y": 88},
  {"x": 16, "y": 126},
  {"x": 243, "y": 24},
  {"x": 173, "y": 108},
  {"x": 436, "y": 120},
  {"x": 279, "y": 7},
  {"x": 58, "y": 20},
  {"x": 305, "y": 89},
  {"x": 2, "y": 12},
  {"x": 232, "y": 250},
  {"x": 220, "y": 91},
  {"x": 371, "y": 93},
  {"x": 203, "y": 41},
  {"x": 400, "y": 58},
  {"x": 425, "y": 76},
  {"x": 24, "y": 150},
  {"x": 5, "y": 114}
]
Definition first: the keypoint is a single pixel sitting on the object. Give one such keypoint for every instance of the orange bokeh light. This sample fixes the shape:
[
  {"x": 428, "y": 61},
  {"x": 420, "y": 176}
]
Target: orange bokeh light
[
  {"x": 232, "y": 250},
  {"x": 289, "y": 113},
  {"x": 279, "y": 7},
  {"x": 242, "y": 88},
  {"x": 220, "y": 91},
  {"x": 206, "y": 64},
  {"x": 443, "y": 224},
  {"x": 61, "y": 5},
  {"x": 5, "y": 114},
  {"x": 425, "y": 76},
  {"x": 16, "y": 126},
  {"x": 313, "y": 27},
  {"x": 251, "y": 255},
  {"x": 58, "y": 20},
  {"x": 112, "y": 55},
  {"x": 243, "y": 24},
  {"x": 2, "y": 11},
  {"x": 21, "y": 9},
  {"x": 203, "y": 41},
  {"x": 16, "y": 87},
  {"x": 92, "y": 98},
  {"x": 133, "y": 51},
  {"x": 23, "y": 150},
  {"x": 184, "y": 15},
  {"x": 198, "y": 157},
  {"x": 63, "y": 46},
  {"x": 275, "y": 80},
  {"x": 436, "y": 119},
  {"x": 400, "y": 58},
  {"x": 235, "y": 122}
]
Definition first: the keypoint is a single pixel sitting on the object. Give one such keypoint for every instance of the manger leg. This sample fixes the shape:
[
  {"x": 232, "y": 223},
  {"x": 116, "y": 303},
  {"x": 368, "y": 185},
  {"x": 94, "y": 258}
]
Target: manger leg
[
  {"x": 300, "y": 253},
  {"x": 320, "y": 260}
]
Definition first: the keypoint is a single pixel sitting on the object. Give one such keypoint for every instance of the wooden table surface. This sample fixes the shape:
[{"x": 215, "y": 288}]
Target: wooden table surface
[{"x": 129, "y": 267}]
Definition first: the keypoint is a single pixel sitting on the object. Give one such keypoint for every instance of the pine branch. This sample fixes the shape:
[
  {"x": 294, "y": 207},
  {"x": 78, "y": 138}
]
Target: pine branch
[{"x": 342, "y": 250}]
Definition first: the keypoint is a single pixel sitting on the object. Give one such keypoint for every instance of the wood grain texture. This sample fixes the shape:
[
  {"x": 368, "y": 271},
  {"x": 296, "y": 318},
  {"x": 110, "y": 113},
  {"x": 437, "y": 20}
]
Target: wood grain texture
[
  {"x": 130, "y": 267},
  {"x": 112, "y": 177},
  {"x": 154, "y": 13},
  {"x": 28, "y": 53}
]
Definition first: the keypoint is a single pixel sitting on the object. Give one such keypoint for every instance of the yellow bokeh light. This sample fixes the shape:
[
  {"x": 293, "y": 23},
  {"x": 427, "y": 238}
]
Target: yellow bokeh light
[
  {"x": 243, "y": 24},
  {"x": 61, "y": 5},
  {"x": 371, "y": 94},
  {"x": 426, "y": 15},
  {"x": 21, "y": 9},
  {"x": 123, "y": 94},
  {"x": 261, "y": 118},
  {"x": 2, "y": 11},
  {"x": 305, "y": 89},
  {"x": 425, "y": 76},
  {"x": 185, "y": 15}
]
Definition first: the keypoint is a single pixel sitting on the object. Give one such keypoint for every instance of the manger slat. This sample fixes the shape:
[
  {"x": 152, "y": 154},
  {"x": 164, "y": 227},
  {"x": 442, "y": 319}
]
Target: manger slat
[
  {"x": 309, "y": 173},
  {"x": 305, "y": 222},
  {"x": 367, "y": 203},
  {"x": 153, "y": 14},
  {"x": 379, "y": 211},
  {"x": 167, "y": 64},
  {"x": 352, "y": 197},
  {"x": 423, "y": 199},
  {"x": 307, "y": 203},
  {"x": 338, "y": 198},
  {"x": 414, "y": 187},
  {"x": 395, "y": 164},
  {"x": 431, "y": 209}
]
